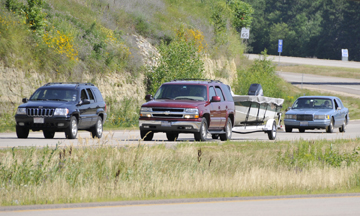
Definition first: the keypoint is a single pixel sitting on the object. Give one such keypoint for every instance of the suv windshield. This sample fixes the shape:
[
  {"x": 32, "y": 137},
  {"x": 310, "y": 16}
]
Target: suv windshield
[
  {"x": 312, "y": 103},
  {"x": 54, "y": 94},
  {"x": 185, "y": 92}
]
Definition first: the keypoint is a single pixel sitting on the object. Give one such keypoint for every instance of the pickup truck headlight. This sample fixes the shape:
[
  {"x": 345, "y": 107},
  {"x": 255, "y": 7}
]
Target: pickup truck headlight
[
  {"x": 290, "y": 116},
  {"x": 144, "y": 111},
  {"x": 21, "y": 111},
  {"x": 191, "y": 113},
  {"x": 321, "y": 117},
  {"x": 61, "y": 112}
]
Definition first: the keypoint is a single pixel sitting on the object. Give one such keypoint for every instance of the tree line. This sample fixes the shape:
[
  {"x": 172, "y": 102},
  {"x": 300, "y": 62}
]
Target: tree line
[{"x": 308, "y": 28}]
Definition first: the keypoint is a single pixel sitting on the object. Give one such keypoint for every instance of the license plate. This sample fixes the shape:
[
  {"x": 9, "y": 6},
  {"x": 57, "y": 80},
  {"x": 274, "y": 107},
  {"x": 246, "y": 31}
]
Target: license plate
[
  {"x": 39, "y": 120},
  {"x": 304, "y": 123},
  {"x": 165, "y": 124}
]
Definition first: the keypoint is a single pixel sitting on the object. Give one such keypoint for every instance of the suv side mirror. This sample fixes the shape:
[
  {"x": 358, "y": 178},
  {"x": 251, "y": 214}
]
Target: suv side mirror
[
  {"x": 215, "y": 99},
  {"x": 24, "y": 100},
  {"x": 148, "y": 97},
  {"x": 339, "y": 108},
  {"x": 85, "y": 101}
]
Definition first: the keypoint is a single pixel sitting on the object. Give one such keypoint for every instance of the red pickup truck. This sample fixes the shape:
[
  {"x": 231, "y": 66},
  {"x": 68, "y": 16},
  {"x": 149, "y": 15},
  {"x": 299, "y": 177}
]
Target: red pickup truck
[{"x": 200, "y": 107}]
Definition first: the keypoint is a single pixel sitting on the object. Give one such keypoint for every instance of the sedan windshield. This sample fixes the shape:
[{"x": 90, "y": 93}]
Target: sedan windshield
[
  {"x": 313, "y": 103},
  {"x": 54, "y": 94},
  {"x": 182, "y": 92}
]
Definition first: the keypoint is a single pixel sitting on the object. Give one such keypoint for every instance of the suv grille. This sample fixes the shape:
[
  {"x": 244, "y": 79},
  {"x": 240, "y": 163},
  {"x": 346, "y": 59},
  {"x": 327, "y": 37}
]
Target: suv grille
[
  {"x": 42, "y": 112},
  {"x": 168, "y": 112},
  {"x": 304, "y": 117}
]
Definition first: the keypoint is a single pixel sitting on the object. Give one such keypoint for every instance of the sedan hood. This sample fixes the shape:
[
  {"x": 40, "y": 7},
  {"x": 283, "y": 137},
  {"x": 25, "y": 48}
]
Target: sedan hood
[
  {"x": 174, "y": 103},
  {"x": 46, "y": 104},
  {"x": 309, "y": 112}
]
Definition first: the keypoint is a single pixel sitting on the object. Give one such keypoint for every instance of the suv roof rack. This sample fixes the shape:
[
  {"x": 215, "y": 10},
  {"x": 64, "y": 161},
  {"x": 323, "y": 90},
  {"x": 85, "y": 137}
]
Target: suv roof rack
[
  {"x": 77, "y": 83},
  {"x": 208, "y": 80}
]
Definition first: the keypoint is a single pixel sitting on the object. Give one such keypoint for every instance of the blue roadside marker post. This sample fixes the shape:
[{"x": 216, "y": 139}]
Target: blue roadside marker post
[{"x": 280, "y": 45}]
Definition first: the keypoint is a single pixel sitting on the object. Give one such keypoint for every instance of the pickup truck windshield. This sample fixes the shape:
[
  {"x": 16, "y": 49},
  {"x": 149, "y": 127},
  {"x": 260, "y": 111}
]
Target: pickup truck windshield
[
  {"x": 313, "y": 103},
  {"x": 182, "y": 92}
]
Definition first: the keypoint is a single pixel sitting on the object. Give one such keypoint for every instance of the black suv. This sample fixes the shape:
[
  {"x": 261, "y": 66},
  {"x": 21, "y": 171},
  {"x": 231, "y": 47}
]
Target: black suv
[{"x": 62, "y": 107}]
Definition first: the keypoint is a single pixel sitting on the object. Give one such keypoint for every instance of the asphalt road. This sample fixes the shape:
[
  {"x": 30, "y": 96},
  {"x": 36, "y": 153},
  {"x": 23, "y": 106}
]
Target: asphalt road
[
  {"x": 308, "y": 61},
  {"x": 132, "y": 137},
  {"x": 341, "y": 86},
  {"x": 326, "y": 205}
]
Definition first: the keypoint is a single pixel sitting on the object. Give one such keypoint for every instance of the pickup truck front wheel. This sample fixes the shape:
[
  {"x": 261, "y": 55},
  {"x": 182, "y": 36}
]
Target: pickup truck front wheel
[{"x": 202, "y": 134}]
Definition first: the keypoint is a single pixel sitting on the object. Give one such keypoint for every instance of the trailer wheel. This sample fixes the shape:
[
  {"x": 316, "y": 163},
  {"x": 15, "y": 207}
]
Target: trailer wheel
[{"x": 272, "y": 133}]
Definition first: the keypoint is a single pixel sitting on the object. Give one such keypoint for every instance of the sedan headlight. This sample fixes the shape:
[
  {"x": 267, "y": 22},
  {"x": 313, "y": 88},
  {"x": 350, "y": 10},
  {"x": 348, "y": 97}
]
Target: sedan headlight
[
  {"x": 61, "y": 112},
  {"x": 287, "y": 116},
  {"x": 321, "y": 117},
  {"x": 21, "y": 111}
]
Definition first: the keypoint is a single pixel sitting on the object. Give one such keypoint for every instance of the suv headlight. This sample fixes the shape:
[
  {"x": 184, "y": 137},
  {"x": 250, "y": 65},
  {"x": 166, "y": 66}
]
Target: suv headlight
[
  {"x": 191, "y": 110},
  {"x": 144, "y": 112},
  {"x": 61, "y": 112},
  {"x": 21, "y": 111},
  {"x": 191, "y": 113},
  {"x": 321, "y": 117},
  {"x": 290, "y": 116}
]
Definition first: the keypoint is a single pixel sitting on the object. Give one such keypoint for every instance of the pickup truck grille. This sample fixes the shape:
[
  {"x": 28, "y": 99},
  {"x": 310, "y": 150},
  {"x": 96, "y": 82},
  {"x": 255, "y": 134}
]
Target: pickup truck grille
[
  {"x": 305, "y": 118},
  {"x": 168, "y": 112},
  {"x": 40, "y": 112}
]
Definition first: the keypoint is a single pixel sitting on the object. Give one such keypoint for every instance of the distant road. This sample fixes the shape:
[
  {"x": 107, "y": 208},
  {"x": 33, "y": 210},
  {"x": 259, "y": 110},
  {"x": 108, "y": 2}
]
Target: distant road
[
  {"x": 309, "y": 205},
  {"x": 342, "y": 86},
  {"x": 309, "y": 61}
]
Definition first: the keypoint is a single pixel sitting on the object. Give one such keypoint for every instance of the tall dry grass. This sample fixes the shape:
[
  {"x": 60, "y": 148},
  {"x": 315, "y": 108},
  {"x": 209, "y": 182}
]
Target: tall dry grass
[{"x": 98, "y": 172}]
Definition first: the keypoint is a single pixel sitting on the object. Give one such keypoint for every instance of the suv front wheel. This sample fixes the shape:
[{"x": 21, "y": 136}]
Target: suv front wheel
[
  {"x": 72, "y": 130},
  {"x": 22, "y": 132},
  {"x": 202, "y": 134},
  {"x": 48, "y": 134}
]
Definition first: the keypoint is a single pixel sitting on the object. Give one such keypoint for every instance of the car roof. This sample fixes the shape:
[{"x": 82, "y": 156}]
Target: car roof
[
  {"x": 322, "y": 97},
  {"x": 66, "y": 85},
  {"x": 193, "y": 82}
]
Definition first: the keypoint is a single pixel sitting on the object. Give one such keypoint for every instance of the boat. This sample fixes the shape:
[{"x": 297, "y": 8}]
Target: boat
[
  {"x": 253, "y": 110},
  {"x": 257, "y": 113}
]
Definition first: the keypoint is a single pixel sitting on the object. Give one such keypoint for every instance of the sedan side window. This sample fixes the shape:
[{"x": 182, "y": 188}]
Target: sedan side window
[
  {"x": 336, "y": 105},
  {"x": 340, "y": 103}
]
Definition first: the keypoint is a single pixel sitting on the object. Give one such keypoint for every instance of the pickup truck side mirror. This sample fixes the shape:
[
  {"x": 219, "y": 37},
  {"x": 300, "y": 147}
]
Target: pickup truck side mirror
[
  {"x": 148, "y": 97},
  {"x": 24, "y": 100},
  {"x": 339, "y": 108},
  {"x": 215, "y": 99}
]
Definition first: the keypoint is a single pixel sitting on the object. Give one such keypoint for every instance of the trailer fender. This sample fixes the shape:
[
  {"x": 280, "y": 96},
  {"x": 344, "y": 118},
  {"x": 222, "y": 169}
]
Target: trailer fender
[{"x": 269, "y": 125}]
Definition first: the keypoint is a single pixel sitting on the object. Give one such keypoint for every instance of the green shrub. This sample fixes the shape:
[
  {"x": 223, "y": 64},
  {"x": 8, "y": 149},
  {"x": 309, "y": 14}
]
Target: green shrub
[
  {"x": 306, "y": 154},
  {"x": 181, "y": 59},
  {"x": 262, "y": 72}
]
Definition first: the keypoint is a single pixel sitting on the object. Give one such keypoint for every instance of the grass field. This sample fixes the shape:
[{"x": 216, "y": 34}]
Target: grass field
[
  {"x": 108, "y": 173},
  {"x": 322, "y": 70}
]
